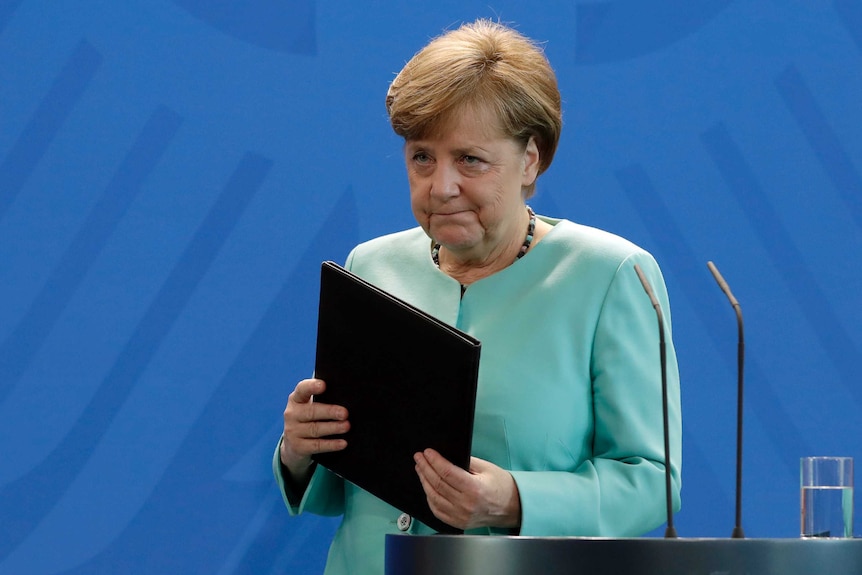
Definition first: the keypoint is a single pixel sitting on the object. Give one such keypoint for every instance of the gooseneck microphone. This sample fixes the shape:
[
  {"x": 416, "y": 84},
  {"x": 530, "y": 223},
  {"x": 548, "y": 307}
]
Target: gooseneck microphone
[
  {"x": 670, "y": 531},
  {"x": 738, "y": 533}
]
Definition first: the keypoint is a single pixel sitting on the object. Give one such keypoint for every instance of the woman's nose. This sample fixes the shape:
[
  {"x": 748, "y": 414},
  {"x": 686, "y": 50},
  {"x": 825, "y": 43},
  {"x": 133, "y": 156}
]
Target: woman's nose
[{"x": 446, "y": 182}]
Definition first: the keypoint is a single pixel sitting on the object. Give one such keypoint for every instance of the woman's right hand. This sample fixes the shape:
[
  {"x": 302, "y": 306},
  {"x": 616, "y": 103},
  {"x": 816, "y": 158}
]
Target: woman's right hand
[{"x": 307, "y": 424}]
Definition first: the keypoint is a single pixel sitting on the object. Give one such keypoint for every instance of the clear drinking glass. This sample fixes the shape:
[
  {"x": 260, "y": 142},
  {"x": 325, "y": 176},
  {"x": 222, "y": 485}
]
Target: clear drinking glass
[{"x": 826, "y": 485}]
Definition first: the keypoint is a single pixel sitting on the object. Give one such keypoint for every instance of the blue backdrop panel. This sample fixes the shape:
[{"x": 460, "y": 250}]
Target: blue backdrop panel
[{"x": 172, "y": 173}]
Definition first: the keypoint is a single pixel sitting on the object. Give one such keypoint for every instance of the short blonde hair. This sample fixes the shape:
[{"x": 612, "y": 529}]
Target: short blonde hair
[{"x": 482, "y": 65}]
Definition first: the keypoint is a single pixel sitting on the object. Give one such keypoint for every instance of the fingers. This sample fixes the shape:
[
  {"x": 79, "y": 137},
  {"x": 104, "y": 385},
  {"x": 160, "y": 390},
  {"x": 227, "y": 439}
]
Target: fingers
[
  {"x": 447, "y": 488},
  {"x": 442, "y": 476},
  {"x": 308, "y": 410},
  {"x": 305, "y": 390},
  {"x": 486, "y": 495},
  {"x": 309, "y": 425}
]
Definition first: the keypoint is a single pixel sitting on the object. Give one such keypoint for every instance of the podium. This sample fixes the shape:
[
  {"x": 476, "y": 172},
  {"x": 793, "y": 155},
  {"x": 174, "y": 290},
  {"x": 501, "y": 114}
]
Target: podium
[{"x": 476, "y": 554}]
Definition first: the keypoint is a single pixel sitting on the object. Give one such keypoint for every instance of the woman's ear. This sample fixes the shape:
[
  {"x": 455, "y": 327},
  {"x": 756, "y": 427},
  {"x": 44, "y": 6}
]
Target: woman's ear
[{"x": 531, "y": 163}]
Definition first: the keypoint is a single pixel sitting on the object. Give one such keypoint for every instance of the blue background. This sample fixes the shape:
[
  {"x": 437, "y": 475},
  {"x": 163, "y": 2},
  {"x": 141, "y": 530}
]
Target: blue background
[{"x": 173, "y": 172}]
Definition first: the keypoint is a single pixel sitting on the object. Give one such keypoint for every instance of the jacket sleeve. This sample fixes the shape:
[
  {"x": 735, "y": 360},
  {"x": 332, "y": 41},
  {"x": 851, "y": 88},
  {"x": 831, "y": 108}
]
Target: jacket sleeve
[
  {"x": 324, "y": 494},
  {"x": 620, "y": 489}
]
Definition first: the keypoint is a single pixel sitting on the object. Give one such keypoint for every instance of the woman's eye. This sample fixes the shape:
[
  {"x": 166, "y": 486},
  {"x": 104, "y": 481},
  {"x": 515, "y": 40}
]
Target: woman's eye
[
  {"x": 472, "y": 164},
  {"x": 421, "y": 158}
]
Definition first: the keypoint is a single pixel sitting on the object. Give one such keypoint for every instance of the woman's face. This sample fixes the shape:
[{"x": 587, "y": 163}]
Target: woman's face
[{"x": 466, "y": 184}]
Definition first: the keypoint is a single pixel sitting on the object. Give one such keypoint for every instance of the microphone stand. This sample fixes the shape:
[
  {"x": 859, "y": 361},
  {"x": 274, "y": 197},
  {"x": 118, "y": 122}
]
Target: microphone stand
[
  {"x": 738, "y": 533},
  {"x": 670, "y": 531}
]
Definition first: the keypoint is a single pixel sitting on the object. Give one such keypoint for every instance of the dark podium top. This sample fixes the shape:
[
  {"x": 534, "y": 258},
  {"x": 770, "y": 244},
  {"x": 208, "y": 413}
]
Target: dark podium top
[{"x": 473, "y": 554}]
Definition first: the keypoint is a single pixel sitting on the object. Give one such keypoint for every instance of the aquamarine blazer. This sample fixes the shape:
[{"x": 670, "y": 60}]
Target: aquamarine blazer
[{"x": 569, "y": 395}]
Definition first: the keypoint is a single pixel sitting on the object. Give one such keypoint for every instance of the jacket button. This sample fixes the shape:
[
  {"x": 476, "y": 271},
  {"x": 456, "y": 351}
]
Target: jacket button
[{"x": 404, "y": 522}]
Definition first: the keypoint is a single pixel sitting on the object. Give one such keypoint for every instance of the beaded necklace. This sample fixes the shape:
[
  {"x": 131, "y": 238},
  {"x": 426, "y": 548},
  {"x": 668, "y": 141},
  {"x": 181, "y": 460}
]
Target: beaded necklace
[{"x": 531, "y": 228}]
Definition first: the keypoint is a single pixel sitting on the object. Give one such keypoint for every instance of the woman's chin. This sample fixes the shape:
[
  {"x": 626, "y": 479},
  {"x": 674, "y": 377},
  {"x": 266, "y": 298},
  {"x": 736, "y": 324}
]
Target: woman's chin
[
  {"x": 455, "y": 243},
  {"x": 454, "y": 236}
]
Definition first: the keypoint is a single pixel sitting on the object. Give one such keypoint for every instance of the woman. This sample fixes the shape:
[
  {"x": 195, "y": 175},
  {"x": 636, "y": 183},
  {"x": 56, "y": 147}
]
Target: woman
[{"x": 568, "y": 434}]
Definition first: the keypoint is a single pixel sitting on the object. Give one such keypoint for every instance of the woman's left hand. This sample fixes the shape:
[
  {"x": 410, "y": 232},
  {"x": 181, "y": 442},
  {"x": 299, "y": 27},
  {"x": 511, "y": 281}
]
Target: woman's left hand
[{"x": 484, "y": 496}]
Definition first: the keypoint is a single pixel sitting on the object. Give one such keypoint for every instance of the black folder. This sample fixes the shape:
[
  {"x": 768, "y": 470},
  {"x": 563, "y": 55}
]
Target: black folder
[{"x": 408, "y": 381}]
